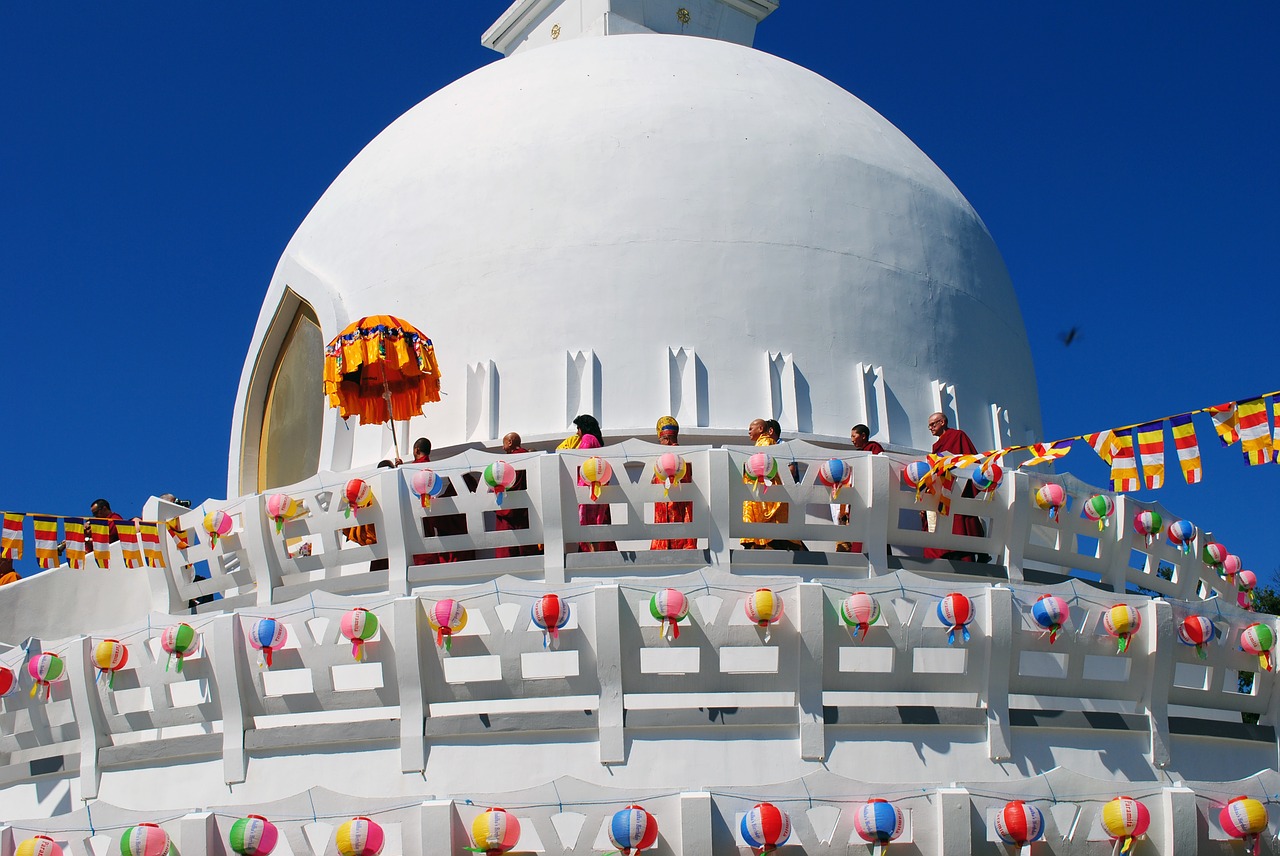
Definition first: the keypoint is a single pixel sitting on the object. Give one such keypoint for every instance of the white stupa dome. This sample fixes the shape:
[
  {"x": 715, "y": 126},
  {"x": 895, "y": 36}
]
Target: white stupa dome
[{"x": 640, "y": 224}]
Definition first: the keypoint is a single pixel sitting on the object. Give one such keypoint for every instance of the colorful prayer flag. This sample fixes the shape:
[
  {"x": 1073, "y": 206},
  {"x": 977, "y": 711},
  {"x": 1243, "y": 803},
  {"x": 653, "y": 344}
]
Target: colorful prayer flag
[
  {"x": 1124, "y": 466},
  {"x": 1275, "y": 432},
  {"x": 179, "y": 535},
  {"x": 1184, "y": 440},
  {"x": 46, "y": 529},
  {"x": 149, "y": 534},
  {"x": 1104, "y": 443},
  {"x": 129, "y": 544},
  {"x": 11, "y": 539},
  {"x": 1224, "y": 422},
  {"x": 100, "y": 530},
  {"x": 73, "y": 528},
  {"x": 1043, "y": 453},
  {"x": 1255, "y": 434},
  {"x": 1151, "y": 448}
]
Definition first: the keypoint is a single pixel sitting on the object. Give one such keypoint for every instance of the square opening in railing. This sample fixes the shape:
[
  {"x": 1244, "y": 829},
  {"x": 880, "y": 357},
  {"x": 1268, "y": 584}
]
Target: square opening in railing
[
  {"x": 1245, "y": 683},
  {"x": 1100, "y": 668},
  {"x": 1138, "y": 560},
  {"x": 939, "y": 661},
  {"x": 1087, "y": 546},
  {"x": 359, "y": 535},
  {"x": 1191, "y": 676},
  {"x": 1042, "y": 664}
]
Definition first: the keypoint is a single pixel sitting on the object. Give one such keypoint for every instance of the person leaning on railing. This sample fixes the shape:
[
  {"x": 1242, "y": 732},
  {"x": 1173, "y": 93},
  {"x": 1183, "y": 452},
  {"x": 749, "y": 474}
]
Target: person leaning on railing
[
  {"x": 860, "y": 436},
  {"x": 766, "y": 433},
  {"x": 588, "y": 436}
]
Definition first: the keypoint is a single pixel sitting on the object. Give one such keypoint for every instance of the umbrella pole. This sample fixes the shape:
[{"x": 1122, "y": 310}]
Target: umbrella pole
[{"x": 386, "y": 396}]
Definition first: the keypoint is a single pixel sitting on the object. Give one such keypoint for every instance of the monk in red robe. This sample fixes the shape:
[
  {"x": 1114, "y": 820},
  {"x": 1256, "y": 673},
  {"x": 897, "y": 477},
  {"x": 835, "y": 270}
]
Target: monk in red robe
[
  {"x": 953, "y": 441},
  {"x": 860, "y": 436}
]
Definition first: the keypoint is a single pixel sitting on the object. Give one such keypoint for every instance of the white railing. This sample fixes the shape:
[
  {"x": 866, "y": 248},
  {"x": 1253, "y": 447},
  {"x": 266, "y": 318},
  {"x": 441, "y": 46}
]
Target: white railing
[
  {"x": 254, "y": 564},
  {"x": 615, "y": 679}
]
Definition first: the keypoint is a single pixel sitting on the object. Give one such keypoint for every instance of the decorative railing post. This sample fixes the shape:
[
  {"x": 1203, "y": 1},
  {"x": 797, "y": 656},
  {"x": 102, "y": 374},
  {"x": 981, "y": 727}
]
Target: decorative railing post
[
  {"x": 811, "y": 625},
  {"x": 397, "y": 518},
  {"x": 955, "y": 826},
  {"x": 999, "y": 657},
  {"x": 1015, "y": 502},
  {"x": 1111, "y": 546},
  {"x": 412, "y": 688},
  {"x": 608, "y": 642},
  {"x": 1178, "y": 829},
  {"x": 87, "y": 706},
  {"x": 552, "y": 503},
  {"x": 198, "y": 833},
  {"x": 880, "y": 478},
  {"x": 1159, "y": 649},
  {"x": 438, "y": 828},
  {"x": 721, "y": 470},
  {"x": 264, "y": 564},
  {"x": 228, "y": 665},
  {"x": 695, "y": 822}
]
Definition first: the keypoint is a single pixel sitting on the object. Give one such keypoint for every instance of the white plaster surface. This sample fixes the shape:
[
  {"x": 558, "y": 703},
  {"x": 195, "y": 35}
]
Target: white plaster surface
[{"x": 700, "y": 195}]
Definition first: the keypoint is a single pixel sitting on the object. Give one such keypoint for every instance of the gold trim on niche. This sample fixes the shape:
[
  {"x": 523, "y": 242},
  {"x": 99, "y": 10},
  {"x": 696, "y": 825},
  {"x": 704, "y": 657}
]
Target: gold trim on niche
[{"x": 304, "y": 315}]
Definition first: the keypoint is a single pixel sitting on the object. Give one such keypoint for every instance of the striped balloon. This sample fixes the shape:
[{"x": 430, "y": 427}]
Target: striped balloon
[
  {"x": 1181, "y": 534},
  {"x": 358, "y": 495},
  {"x": 550, "y": 613},
  {"x": 1231, "y": 565},
  {"x": 669, "y": 606},
  {"x": 145, "y": 839},
  {"x": 1051, "y": 612},
  {"x": 765, "y": 827},
  {"x": 1099, "y": 509},
  {"x": 1246, "y": 582},
  {"x": 267, "y": 635},
  {"x": 1148, "y": 524},
  {"x": 669, "y": 470},
  {"x": 40, "y": 845},
  {"x": 764, "y": 608},
  {"x": 955, "y": 611},
  {"x": 1258, "y": 639},
  {"x": 632, "y": 828},
  {"x": 1124, "y": 819},
  {"x": 1122, "y": 621},
  {"x": 446, "y": 618},
  {"x": 281, "y": 507},
  {"x": 859, "y": 611},
  {"x": 427, "y": 486},
  {"x": 217, "y": 524},
  {"x": 596, "y": 472},
  {"x": 1019, "y": 824},
  {"x": 1197, "y": 630},
  {"x": 359, "y": 625},
  {"x": 253, "y": 836},
  {"x": 45, "y": 669},
  {"x": 499, "y": 476},
  {"x": 1244, "y": 818},
  {"x": 1214, "y": 554},
  {"x": 495, "y": 831},
  {"x": 1051, "y": 497},
  {"x": 110, "y": 656},
  {"x": 878, "y": 822},
  {"x": 986, "y": 481},
  {"x": 179, "y": 640},
  {"x": 8, "y": 681},
  {"x": 835, "y": 474},
  {"x": 915, "y": 473},
  {"x": 760, "y": 469},
  {"x": 360, "y": 836}
]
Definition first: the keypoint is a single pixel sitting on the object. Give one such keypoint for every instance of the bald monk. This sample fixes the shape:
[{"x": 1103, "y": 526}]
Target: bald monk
[
  {"x": 953, "y": 441},
  {"x": 510, "y": 519}
]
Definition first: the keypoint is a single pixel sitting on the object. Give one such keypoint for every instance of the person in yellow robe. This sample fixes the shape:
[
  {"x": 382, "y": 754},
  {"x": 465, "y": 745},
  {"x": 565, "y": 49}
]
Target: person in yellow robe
[{"x": 764, "y": 433}]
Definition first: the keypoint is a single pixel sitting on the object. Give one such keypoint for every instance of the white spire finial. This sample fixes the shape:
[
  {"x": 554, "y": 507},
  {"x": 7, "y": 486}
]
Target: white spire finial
[{"x": 535, "y": 23}]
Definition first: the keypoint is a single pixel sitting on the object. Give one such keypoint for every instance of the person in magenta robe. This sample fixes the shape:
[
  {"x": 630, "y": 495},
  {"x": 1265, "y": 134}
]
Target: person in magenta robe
[
  {"x": 953, "y": 441},
  {"x": 860, "y": 436},
  {"x": 589, "y": 437}
]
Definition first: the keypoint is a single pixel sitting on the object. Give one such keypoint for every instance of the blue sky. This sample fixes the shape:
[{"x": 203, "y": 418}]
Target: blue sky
[{"x": 156, "y": 157}]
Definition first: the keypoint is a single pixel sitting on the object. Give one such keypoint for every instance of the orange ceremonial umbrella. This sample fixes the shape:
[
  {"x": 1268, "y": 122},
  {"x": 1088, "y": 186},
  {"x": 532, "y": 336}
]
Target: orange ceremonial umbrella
[{"x": 380, "y": 368}]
